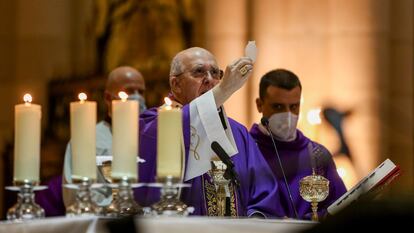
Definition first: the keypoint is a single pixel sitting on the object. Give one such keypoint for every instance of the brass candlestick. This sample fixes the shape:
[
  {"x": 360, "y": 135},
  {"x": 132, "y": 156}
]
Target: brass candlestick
[{"x": 314, "y": 189}]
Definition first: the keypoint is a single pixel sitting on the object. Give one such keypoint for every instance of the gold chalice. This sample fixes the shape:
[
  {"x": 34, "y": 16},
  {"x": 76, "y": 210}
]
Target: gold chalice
[{"x": 314, "y": 189}]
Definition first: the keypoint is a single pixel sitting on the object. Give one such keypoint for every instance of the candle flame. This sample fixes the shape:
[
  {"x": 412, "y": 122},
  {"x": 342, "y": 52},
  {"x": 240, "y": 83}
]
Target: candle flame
[
  {"x": 167, "y": 101},
  {"x": 27, "y": 98},
  {"x": 314, "y": 117},
  {"x": 123, "y": 96},
  {"x": 82, "y": 96}
]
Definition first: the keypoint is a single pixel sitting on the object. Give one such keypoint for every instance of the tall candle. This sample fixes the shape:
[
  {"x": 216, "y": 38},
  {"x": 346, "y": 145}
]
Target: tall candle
[
  {"x": 27, "y": 140},
  {"x": 83, "y": 138},
  {"x": 125, "y": 137},
  {"x": 169, "y": 141}
]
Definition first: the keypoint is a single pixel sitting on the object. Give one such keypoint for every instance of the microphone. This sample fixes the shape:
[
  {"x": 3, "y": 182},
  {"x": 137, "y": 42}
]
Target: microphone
[
  {"x": 230, "y": 173},
  {"x": 265, "y": 122}
]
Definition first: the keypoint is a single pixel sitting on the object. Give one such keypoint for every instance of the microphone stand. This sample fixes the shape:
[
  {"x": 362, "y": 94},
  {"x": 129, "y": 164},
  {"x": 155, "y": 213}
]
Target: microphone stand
[
  {"x": 230, "y": 173},
  {"x": 265, "y": 122}
]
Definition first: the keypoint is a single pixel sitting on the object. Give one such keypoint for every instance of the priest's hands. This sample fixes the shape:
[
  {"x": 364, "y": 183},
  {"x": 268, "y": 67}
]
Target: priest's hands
[
  {"x": 234, "y": 78},
  {"x": 236, "y": 74}
]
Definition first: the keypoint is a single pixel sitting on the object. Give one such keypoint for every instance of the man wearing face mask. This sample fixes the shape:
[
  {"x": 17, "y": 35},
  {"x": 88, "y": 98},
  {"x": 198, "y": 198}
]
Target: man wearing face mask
[
  {"x": 125, "y": 79},
  {"x": 279, "y": 102}
]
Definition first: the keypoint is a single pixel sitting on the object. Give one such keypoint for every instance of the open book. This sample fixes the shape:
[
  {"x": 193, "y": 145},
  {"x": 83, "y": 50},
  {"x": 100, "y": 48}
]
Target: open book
[{"x": 373, "y": 182}]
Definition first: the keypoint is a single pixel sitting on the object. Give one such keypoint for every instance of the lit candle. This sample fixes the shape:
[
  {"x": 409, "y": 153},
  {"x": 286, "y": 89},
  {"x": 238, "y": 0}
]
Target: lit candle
[
  {"x": 27, "y": 141},
  {"x": 169, "y": 141},
  {"x": 83, "y": 138},
  {"x": 125, "y": 137}
]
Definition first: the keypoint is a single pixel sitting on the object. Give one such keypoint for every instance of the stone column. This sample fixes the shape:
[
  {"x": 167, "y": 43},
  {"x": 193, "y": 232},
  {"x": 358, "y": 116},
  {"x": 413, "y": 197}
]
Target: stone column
[
  {"x": 398, "y": 128},
  {"x": 226, "y": 37}
]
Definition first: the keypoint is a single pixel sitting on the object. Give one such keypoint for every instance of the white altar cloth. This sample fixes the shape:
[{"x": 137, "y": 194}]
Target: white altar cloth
[{"x": 158, "y": 225}]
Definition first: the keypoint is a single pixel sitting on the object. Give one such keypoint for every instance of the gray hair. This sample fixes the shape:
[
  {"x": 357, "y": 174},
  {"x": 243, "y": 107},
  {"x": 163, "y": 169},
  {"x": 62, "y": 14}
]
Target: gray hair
[{"x": 176, "y": 65}]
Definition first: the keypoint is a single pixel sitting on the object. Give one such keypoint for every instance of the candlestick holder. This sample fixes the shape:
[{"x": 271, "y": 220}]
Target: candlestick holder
[
  {"x": 83, "y": 205},
  {"x": 218, "y": 168},
  {"x": 170, "y": 204},
  {"x": 123, "y": 202},
  {"x": 314, "y": 189},
  {"x": 25, "y": 208}
]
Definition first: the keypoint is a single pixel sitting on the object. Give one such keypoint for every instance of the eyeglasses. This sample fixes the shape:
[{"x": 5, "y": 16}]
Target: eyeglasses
[{"x": 201, "y": 72}]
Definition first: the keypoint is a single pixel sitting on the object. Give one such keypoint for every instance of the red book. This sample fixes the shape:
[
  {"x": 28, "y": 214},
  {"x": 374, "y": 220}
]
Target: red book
[{"x": 373, "y": 183}]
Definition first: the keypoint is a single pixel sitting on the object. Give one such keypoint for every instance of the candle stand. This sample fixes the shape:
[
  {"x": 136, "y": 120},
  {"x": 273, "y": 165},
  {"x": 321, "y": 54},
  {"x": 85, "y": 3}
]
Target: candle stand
[
  {"x": 123, "y": 203},
  {"x": 83, "y": 206},
  {"x": 25, "y": 208},
  {"x": 170, "y": 204}
]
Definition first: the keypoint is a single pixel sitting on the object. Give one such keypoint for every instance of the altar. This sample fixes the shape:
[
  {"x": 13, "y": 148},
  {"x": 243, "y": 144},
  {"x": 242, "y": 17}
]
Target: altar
[{"x": 159, "y": 224}]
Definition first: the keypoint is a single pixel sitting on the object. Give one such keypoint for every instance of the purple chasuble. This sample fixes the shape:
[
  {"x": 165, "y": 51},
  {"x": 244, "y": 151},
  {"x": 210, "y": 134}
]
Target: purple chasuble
[
  {"x": 258, "y": 191},
  {"x": 296, "y": 162},
  {"x": 51, "y": 199}
]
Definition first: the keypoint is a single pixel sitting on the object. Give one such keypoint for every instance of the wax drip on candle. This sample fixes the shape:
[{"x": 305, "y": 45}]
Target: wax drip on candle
[
  {"x": 27, "y": 98},
  {"x": 168, "y": 103},
  {"x": 123, "y": 96},
  {"x": 82, "y": 97}
]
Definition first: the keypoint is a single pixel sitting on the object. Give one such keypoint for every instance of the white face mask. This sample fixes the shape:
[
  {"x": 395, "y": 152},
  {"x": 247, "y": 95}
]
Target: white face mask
[
  {"x": 139, "y": 98},
  {"x": 141, "y": 101},
  {"x": 283, "y": 126}
]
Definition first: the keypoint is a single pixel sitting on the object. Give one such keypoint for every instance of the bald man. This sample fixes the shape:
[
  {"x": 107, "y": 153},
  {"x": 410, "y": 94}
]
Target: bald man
[
  {"x": 200, "y": 88},
  {"x": 125, "y": 79}
]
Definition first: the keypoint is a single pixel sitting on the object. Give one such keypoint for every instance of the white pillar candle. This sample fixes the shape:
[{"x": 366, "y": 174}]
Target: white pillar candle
[
  {"x": 169, "y": 141},
  {"x": 83, "y": 138},
  {"x": 27, "y": 141},
  {"x": 125, "y": 137}
]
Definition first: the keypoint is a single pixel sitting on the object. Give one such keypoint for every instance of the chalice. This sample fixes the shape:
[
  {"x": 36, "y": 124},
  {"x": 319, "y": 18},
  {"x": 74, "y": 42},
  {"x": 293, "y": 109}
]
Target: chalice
[{"x": 314, "y": 189}]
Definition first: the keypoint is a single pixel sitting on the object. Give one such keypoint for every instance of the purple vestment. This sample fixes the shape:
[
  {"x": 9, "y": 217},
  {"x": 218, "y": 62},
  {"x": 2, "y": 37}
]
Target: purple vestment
[
  {"x": 296, "y": 162},
  {"x": 51, "y": 199},
  {"x": 258, "y": 191}
]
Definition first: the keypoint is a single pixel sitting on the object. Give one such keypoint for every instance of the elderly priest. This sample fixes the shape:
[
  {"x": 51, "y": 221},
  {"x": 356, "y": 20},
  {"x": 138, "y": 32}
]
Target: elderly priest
[{"x": 200, "y": 88}]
